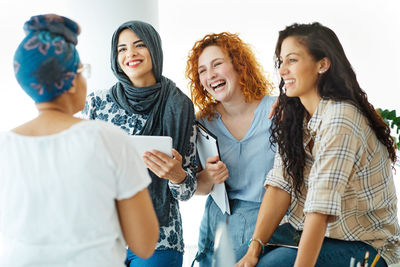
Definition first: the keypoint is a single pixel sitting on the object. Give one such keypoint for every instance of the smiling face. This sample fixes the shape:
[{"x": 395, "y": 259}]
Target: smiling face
[
  {"x": 218, "y": 76},
  {"x": 134, "y": 59},
  {"x": 298, "y": 69}
]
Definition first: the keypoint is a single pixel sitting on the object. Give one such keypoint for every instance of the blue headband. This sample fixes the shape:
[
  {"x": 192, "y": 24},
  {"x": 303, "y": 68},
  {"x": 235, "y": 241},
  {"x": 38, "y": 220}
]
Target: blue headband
[{"x": 46, "y": 61}]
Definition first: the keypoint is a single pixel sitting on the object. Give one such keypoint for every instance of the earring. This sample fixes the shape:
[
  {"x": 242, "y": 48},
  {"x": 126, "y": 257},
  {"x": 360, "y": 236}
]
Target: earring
[{"x": 321, "y": 71}]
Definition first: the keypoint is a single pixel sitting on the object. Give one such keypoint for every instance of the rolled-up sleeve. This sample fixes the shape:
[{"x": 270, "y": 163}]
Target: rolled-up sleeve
[
  {"x": 276, "y": 177},
  {"x": 186, "y": 189},
  {"x": 329, "y": 174}
]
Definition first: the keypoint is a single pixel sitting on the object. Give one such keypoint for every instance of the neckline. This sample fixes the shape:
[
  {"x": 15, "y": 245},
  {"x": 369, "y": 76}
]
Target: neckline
[
  {"x": 54, "y": 135},
  {"x": 249, "y": 130},
  {"x": 256, "y": 110}
]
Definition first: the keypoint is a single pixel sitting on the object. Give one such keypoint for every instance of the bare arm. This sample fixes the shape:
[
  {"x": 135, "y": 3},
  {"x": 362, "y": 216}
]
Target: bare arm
[
  {"x": 214, "y": 173},
  {"x": 273, "y": 207},
  {"x": 204, "y": 183},
  {"x": 139, "y": 223},
  {"x": 311, "y": 239}
]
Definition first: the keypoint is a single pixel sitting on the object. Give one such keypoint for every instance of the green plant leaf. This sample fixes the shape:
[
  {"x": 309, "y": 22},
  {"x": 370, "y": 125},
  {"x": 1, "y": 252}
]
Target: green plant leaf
[{"x": 390, "y": 118}]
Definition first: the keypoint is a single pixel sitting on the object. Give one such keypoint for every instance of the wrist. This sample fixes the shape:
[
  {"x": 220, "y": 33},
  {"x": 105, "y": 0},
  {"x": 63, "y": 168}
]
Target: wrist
[
  {"x": 256, "y": 247},
  {"x": 181, "y": 178},
  {"x": 208, "y": 179}
]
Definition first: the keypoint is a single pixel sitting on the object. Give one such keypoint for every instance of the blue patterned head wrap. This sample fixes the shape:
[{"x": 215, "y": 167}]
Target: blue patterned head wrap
[{"x": 46, "y": 61}]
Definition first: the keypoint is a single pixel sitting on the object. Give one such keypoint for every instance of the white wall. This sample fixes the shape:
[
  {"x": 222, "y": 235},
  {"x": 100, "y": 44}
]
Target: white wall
[
  {"x": 98, "y": 20},
  {"x": 368, "y": 30}
]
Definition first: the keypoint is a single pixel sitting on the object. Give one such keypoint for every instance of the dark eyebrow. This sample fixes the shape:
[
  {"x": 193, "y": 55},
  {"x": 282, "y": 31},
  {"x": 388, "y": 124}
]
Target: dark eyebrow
[
  {"x": 292, "y": 53},
  {"x": 135, "y": 42}
]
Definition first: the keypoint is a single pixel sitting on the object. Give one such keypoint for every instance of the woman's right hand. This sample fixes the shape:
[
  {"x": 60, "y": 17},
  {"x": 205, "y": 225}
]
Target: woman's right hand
[
  {"x": 216, "y": 170},
  {"x": 247, "y": 261}
]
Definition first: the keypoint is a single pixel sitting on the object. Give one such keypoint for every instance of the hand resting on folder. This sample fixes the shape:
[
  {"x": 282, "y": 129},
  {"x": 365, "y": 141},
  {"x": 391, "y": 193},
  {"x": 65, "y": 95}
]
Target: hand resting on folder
[{"x": 215, "y": 172}]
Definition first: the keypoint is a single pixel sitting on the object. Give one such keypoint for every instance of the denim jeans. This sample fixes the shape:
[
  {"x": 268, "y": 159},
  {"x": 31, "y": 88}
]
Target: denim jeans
[
  {"x": 333, "y": 253},
  {"x": 160, "y": 258},
  {"x": 241, "y": 225}
]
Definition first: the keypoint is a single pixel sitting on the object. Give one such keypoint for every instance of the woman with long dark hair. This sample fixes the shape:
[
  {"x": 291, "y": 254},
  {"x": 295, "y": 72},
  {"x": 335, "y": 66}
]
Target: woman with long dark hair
[{"x": 334, "y": 167}]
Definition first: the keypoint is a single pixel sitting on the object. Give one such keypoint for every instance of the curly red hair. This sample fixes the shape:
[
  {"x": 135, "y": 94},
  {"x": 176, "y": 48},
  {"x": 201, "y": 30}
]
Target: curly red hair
[{"x": 253, "y": 82}]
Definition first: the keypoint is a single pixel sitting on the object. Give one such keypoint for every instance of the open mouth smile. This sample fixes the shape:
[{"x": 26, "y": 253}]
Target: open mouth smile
[
  {"x": 217, "y": 84},
  {"x": 134, "y": 63}
]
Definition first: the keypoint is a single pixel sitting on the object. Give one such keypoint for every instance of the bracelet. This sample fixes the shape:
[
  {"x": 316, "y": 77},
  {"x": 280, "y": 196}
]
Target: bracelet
[{"x": 259, "y": 241}]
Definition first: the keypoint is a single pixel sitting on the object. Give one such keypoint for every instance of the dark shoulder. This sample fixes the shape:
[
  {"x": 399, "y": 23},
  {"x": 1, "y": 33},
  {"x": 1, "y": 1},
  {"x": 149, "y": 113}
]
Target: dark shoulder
[{"x": 179, "y": 100}]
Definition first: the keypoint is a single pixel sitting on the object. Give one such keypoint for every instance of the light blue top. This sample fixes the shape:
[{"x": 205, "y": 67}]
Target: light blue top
[{"x": 248, "y": 160}]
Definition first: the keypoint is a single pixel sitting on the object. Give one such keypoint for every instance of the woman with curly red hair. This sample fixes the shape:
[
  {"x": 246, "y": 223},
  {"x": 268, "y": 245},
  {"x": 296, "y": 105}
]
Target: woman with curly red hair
[{"x": 230, "y": 89}]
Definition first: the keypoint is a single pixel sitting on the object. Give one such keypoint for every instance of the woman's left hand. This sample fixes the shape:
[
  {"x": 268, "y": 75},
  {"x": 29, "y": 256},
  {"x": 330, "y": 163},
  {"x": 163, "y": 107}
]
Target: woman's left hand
[{"x": 164, "y": 166}]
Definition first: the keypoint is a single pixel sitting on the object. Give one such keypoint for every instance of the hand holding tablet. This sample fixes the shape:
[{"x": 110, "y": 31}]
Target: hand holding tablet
[{"x": 144, "y": 143}]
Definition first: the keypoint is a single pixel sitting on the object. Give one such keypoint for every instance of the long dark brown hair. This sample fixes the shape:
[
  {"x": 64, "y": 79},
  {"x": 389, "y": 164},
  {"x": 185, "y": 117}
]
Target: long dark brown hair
[{"x": 339, "y": 82}]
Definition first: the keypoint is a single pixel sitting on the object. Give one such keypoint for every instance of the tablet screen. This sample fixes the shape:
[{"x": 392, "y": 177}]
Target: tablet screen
[{"x": 145, "y": 143}]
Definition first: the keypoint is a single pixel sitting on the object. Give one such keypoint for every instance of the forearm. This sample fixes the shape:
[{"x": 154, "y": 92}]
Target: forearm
[
  {"x": 311, "y": 239},
  {"x": 179, "y": 177},
  {"x": 139, "y": 223},
  {"x": 204, "y": 183},
  {"x": 186, "y": 189},
  {"x": 273, "y": 207}
]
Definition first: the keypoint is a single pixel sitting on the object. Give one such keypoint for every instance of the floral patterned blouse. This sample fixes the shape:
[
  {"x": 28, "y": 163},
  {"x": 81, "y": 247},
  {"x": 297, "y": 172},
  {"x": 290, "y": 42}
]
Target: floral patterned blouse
[{"x": 99, "y": 106}]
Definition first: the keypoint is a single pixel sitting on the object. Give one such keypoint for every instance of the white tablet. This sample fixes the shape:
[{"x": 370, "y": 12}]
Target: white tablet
[{"x": 145, "y": 143}]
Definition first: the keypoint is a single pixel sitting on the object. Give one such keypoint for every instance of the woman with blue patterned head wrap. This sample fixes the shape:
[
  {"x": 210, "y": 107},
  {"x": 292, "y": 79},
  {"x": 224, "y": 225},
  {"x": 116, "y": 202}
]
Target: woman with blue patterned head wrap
[
  {"x": 144, "y": 102},
  {"x": 69, "y": 188},
  {"x": 46, "y": 61}
]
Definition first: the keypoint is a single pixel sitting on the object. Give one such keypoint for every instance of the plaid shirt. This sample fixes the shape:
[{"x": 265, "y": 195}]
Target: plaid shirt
[{"x": 347, "y": 176}]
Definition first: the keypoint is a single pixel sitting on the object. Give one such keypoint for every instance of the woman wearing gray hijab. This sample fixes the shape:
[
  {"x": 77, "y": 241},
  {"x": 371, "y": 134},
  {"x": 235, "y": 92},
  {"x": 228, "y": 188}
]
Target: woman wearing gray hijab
[{"x": 143, "y": 102}]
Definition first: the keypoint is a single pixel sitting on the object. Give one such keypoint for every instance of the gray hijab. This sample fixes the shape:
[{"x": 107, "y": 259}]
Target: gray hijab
[{"x": 170, "y": 112}]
